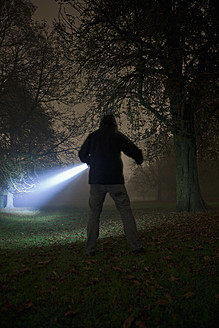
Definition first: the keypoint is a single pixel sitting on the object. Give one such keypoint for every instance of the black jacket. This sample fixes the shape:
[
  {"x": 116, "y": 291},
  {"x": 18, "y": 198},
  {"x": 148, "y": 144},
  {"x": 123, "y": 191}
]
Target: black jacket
[{"x": 102, "y": 152}]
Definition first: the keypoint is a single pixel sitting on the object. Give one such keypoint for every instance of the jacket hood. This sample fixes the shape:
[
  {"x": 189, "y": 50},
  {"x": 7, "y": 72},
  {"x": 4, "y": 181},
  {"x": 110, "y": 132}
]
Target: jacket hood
[{"x": 108, "y": 122}]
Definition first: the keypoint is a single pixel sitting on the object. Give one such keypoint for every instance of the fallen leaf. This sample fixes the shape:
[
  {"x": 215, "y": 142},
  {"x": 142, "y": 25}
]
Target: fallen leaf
[
  {"x": 24, "y": 270},
  {"x": 162, "y": 302},
  {"x": 95, "y": 280},
  {"x": 172, "y": 278},
  {"x": 131, "y": 277},
  {"x": 137, "y": 283},
  {"x": 71, "y": 313},
  {"x": 149, "y": 286},
  {"x": 147, "y": 269},
  {"x": 89, "y": 262},
  {"x": 44, "y": 262},
  {"x": 73, "y": 271},
  {"x": 168, "y": 296},
  {"x": 116, "y": 303},
  {"x": 168, "y": 257},
  {"x": 140, "y": 324},
  {"x": 117, "y": 268},
  {"x": 189, "y": 295},
  {"x": 24, "y": 306},
  {"x": 128, "y": 322},
  {"x": 55, "y": 273}
]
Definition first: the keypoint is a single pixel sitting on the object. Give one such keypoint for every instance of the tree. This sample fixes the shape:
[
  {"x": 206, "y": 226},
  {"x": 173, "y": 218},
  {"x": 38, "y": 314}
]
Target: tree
[
  {"x": 34, "y": 132},
  {"x": 156, "y": 62},
  {"x": 23, "y": 146}
]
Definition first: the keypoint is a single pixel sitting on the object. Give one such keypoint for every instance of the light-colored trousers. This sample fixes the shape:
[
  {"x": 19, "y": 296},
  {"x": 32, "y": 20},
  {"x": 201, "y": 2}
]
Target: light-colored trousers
[{"x": 120, "y": 196}]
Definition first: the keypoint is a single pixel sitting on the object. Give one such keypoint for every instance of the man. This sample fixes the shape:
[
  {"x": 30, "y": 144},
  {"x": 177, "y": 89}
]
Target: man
[{"x": 102, "y": 152}]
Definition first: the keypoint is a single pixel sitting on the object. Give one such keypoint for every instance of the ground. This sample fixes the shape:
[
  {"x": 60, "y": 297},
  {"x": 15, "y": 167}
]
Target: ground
[{"x": 47, "y": 280}]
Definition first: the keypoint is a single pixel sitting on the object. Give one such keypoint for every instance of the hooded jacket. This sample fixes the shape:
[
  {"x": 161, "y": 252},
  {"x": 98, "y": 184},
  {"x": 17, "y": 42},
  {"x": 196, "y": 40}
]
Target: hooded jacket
[{"x": 102, "y": 152}]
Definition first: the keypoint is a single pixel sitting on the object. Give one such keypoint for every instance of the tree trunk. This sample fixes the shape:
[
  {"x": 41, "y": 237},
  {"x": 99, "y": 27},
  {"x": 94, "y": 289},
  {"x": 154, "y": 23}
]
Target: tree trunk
[
  {"x": 10, "y": 198},
  {"x": 1, "y": 201},
  {"x": 188, "y": 192}
]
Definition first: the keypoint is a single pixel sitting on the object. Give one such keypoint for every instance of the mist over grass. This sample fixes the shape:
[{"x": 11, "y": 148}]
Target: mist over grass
[{"x": 28, "y": 228}]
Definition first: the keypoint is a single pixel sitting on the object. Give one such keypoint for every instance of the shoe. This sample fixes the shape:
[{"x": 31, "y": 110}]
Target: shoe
[
  {"x": 91, "y": 253},
  {"x": 139, "y": 251}
]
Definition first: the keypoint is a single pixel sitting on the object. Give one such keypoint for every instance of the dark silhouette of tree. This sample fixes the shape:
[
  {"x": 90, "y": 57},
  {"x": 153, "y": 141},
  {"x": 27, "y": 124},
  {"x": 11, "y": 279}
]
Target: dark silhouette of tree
[
  {"x": 155, "y": 61},
  {"x": 36, "y": 128},
  {"x": 26, "y": 143}
]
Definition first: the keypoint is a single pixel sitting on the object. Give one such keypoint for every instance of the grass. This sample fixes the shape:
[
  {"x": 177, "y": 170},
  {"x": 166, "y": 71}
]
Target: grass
[{"x": 47, "y": 281}]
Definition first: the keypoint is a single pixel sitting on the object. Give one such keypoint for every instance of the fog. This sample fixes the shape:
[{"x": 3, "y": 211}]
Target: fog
[{"x": 141, "y": 188}]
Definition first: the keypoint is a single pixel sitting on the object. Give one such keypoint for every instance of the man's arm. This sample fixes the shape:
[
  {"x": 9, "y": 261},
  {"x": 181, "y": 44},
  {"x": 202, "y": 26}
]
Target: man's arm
[
  {"x": 84, "y": 152},
  {"x": 129, "y": 149}
]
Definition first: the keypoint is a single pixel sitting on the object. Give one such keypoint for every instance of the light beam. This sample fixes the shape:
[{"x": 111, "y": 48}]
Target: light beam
[
  {"x": 51, "y": 186},
  {"x": 61, "y": 177}
]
